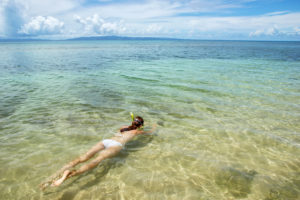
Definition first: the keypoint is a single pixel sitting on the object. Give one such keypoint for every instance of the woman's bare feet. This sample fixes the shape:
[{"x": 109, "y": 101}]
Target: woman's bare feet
[{"x": 62, "y": 179}]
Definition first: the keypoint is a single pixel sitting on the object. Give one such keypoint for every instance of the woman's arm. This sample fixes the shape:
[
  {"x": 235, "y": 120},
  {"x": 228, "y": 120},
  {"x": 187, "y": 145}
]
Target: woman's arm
[{"x": 147, "y": 132}]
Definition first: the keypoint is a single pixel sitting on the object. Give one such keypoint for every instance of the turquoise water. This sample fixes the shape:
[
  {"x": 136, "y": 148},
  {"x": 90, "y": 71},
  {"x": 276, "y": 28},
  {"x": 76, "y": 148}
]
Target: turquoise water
[{"x": 228, "y": 118}]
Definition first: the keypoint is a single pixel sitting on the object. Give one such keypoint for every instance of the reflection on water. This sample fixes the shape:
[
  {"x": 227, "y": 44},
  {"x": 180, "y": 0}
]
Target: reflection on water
[{"x": 228, "y": 118}]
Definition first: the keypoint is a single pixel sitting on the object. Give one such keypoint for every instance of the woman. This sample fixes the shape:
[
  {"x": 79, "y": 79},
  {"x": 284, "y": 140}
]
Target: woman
[{"x": 107, "y": 148}]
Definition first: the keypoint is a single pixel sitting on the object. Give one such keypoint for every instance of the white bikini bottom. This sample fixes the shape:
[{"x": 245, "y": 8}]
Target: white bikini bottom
[{"x": 111, "y": 143}]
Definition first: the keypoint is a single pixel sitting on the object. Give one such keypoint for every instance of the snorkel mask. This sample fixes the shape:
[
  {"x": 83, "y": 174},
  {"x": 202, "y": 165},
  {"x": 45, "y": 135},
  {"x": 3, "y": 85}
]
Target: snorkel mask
[{"x": 136, "y": 120}]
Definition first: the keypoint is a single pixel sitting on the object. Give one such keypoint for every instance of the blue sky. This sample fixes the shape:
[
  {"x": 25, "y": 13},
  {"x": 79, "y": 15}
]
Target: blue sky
[{"x": 194, "y": 19}]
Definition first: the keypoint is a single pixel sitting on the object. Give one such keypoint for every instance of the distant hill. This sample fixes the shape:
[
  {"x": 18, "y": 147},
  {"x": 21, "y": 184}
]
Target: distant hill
[
  {"x": 86, "y": 38},
  {"x": 120, "y": 38}
]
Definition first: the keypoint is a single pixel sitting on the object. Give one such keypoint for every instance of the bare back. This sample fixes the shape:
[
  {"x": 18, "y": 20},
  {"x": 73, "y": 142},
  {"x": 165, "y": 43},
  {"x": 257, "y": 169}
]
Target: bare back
[{"x": 126, "y": 136}]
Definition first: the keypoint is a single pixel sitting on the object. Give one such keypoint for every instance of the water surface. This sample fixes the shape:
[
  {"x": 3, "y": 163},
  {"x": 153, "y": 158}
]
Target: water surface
[{"x": 228, "y": 115}]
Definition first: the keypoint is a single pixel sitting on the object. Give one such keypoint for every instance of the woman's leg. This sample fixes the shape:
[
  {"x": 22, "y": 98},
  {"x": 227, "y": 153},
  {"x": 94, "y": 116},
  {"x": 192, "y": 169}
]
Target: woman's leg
[
  {"x": 98, "y": 147},
  {"x": 95, "y": 149},
  {"x": 107, "y": 153}
]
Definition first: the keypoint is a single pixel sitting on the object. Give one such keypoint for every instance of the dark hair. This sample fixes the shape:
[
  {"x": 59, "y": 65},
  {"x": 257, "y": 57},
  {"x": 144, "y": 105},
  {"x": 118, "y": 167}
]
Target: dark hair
[{"x": 136, "y": 123}]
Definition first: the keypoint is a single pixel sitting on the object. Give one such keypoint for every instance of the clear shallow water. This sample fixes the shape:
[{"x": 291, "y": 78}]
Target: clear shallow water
[{"x": 228, "y": 116}]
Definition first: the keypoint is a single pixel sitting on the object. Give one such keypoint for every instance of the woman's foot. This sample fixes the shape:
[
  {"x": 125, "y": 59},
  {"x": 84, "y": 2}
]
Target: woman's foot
[
  {"x": 62, "y": 179},
  {"x": 44, "y": 185}
]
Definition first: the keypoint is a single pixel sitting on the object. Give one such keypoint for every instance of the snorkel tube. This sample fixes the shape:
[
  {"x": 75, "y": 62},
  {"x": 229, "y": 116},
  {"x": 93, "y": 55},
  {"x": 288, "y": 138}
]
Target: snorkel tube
[{"x": 132, "y": 116}]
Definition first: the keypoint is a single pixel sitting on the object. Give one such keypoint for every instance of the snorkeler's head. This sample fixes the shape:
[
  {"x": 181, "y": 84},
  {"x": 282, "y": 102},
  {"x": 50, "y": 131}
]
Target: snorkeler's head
[{"x": 138, "y": 121}]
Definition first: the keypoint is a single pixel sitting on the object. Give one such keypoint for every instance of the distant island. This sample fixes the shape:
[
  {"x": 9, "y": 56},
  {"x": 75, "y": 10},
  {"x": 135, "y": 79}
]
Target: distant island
[
  {"x": 121, "y": 38},
  {"x": 125, "y": 38},
  {"x": 88, "y": 38}
]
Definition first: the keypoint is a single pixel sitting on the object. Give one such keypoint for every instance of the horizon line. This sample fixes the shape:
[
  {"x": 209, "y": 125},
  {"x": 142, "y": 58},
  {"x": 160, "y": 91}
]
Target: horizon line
[{"x": 114, "y": 37}]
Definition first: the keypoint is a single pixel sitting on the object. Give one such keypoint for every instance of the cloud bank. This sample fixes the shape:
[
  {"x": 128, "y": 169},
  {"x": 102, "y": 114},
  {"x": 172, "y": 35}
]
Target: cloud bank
[
  {"x": 42, "y": 26},
  {"x": 275, "y": 32},
  {"x": 214, "y": 19}
]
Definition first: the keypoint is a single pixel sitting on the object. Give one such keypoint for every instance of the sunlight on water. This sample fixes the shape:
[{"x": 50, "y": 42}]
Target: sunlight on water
[{"x": 228, "y": 118}]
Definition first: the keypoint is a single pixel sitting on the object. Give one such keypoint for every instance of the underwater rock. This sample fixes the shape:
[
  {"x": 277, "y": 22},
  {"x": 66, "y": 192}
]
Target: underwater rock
[
  {"x": 161, "y": 123},
  {"x": 285, "y": 192},
  {"x": 276, "y": 188},
  {"x": 282, "y": 190},
  {"x": 68, "y": 195},
  {"x": 238, "y": 183}
]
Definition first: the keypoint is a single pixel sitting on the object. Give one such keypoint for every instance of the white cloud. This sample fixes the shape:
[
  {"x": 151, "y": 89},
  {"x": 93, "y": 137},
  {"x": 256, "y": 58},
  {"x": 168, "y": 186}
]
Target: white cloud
[
  {"x": 95, "y": 25},
  {"x": 209, "y": 6},
  {"x": 277, "y": 13},
  {"x": 154, "y": 29},
  {"x": 167, "y": 18},
  {"x": 275, "y": 32},
  {"x": 297, "y": 30},
  {"x": 244, "y": 23},
  {"x": 221, "y": 27},
  {"x": 272, "y": 31},
  {"x": 256, "y": 33},
  {"x": 49, "y": 7},
  {"x": 42, "y": 26}
]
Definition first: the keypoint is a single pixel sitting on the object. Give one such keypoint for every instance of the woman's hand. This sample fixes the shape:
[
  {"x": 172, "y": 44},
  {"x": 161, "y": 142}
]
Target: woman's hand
[{"x": 150, "y": 131}]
